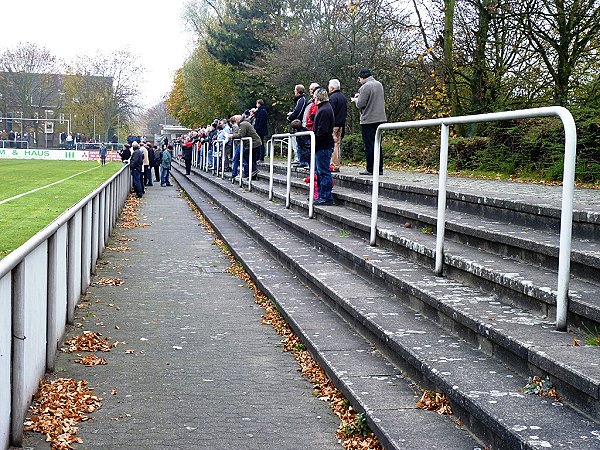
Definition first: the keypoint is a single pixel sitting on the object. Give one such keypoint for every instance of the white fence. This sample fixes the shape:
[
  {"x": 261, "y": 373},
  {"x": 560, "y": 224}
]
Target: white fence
[{"x": 40, "y": 285}]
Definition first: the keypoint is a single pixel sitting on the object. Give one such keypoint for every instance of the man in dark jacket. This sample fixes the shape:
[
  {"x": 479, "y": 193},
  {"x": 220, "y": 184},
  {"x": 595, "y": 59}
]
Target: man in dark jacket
[
  {"x": 339, "y": 105},
  {"x": 323, "y": 128},
  {"x": 299, "y": 104},
  {"x": 186, "y": 151},
  {"x": 125, "y": 154},
  {"x": 136, "y": 165},
  {"x": 261, "y": 126}
]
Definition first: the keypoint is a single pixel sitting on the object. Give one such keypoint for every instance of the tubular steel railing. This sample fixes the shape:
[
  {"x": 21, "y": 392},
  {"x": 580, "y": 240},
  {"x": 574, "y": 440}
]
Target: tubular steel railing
[
  {"x": 40, "y": 285},
  {"x": 241, "y": 166},
  {"x": 271, "y": 149},
  {"x": 564, "y": 259}
]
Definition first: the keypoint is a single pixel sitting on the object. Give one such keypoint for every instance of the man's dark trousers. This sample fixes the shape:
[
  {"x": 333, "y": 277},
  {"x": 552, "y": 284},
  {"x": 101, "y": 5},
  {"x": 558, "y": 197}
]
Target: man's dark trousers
[{"x": 368, "y": 135}]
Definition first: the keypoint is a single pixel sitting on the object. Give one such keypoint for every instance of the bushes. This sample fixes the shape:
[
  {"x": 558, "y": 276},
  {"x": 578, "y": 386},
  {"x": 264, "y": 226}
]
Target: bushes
[{"x": 532, "y": 148}]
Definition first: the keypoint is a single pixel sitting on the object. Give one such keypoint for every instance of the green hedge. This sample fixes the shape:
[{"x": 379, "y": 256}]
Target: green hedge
[{"x": 531, "y": 148}]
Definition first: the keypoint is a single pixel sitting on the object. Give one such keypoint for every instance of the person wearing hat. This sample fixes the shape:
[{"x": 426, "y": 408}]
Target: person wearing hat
[
  {"x": 136, "y": 165},
  {"x": 370, "y": 102}
]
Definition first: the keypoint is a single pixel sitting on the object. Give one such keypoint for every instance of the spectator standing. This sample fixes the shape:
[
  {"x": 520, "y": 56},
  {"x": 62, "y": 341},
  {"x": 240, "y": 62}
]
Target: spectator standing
[
  {"x": 165, "y": 166},
  {"x": 157, "y": 161},
  {"x": 247, "y": 130},
  {"x": 136, "y": 165},
  {"x": 339, "y": 104},
  {"x": 115, "y": 141},
  {"x": 311, "y": 108},
  {"x": 261, "y": 125},
  {"x": 147, "y": 174},
  {"x": 125, "y": 154},
  {"x": 69, "y": 141},
  {"x": 323, "y": 128},
  {"x": 103, "y": 151},
  {"x": 152, "y": 161},
  {"x": 299, "y": 104},
  {"x": 297, "y": 113},
  {"x": 370, "y": 102},
  {"x": 186, "y": 150}
]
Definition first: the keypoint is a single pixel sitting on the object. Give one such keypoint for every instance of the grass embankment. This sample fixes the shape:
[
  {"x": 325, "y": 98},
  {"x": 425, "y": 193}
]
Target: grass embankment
[{"x": 21, "y": 218}]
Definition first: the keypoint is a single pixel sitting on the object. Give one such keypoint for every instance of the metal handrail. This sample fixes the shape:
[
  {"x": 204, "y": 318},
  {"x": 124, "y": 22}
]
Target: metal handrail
[
  {"x": 15, "y": 257},
  {"x": 311, "y": 184},
  {"x": 564, "y": 257},
  {"x": 3, "y": 141},
  {"x": 241, "y": 167}
]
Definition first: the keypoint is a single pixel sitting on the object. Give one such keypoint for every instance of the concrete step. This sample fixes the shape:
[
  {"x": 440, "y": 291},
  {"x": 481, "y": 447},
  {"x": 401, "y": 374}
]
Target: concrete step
[
  {"x": 526, "y": 204},
  {"x": 372, "y": 384},
  {"x": 523, "y": 284},
  {"x": 536, "y": 245},
  {"x": 465, "y": 312}
]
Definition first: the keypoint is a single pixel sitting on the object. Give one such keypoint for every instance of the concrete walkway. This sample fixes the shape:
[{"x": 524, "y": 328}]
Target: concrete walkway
[{"x": 194, "y": 368}]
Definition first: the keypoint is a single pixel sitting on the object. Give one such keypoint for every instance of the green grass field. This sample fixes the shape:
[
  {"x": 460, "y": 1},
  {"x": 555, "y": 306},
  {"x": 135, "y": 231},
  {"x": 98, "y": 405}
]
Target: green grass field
[{"x": 22, "y": 217}]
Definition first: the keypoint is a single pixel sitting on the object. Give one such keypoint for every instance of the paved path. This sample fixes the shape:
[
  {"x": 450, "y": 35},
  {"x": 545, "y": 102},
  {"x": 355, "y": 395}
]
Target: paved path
[{"x": 204, "y": 372}]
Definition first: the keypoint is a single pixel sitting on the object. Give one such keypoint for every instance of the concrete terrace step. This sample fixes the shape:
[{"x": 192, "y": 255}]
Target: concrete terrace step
[
  {"x": 470, "y": 317},
  {"x": 538, "y": 246},
  {"x": 521, "y": 284},
  {"x": 527, "y": 204},
  {"x": 387, "y": 325},
  {"x": 372, "y": 384}
]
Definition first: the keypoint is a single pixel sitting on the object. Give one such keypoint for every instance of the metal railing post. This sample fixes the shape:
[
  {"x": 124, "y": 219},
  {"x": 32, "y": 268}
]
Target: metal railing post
[
  {"x": 441, "y": 212},
  {"x": 311, "y": 181},
  {"x": 288, "y": 177},
  {"x": 566, "y": 219},
  {"x": 223, "y": 160},
  {"x": 250, "y": 164},
  {"x": 271, "y": 149},
  {"x": 375, "y": 191},
  {"x": 241, "y": 166}
]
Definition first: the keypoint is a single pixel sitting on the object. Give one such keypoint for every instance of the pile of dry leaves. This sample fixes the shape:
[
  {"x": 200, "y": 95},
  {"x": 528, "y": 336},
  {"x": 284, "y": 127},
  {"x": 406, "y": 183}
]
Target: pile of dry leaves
[
  {"x": 435, "y": 401},
  {"x": 89, "y": 341},
  {"x": 58, "y": 406},
  {"x": 106, "y": 281},
  {"x": 129, "y": 217}
]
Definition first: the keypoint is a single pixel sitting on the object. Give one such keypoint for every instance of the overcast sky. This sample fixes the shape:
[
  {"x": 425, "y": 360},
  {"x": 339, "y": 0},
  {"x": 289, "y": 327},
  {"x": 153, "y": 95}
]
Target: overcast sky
[{"x": 152, "y": 30}]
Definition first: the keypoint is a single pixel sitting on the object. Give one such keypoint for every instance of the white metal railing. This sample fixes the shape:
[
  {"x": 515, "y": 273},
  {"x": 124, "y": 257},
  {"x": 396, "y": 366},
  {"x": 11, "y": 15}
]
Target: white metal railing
[
  {"x": 311, "y": 184},
  {"x": 14, "y": 144},
  {"x": 564, "y": 258},
  {"x": 250, "y": 165},
  {"x": 40, "y": 285}
]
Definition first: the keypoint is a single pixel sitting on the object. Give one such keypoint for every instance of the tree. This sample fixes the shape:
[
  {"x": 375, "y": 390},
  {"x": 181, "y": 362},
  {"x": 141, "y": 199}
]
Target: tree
[
  {"x": 563, "y": 33},
  {"x": 30, "y": 80},
  {"x": 103, "y": 91}
]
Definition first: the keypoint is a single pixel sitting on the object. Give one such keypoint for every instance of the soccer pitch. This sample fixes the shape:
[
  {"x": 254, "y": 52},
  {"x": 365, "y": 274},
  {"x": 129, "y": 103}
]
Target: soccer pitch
[{"x": 33, "y": 193}]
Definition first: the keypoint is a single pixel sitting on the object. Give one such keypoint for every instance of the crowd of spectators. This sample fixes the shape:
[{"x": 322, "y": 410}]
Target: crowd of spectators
[{"x": 323, "y": 111}]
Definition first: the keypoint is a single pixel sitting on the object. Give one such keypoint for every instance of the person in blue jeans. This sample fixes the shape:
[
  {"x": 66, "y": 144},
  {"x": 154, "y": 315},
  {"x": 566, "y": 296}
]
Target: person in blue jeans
[
  {"x": 323, "y": 129},
  {"x": 165, "y": 166}
]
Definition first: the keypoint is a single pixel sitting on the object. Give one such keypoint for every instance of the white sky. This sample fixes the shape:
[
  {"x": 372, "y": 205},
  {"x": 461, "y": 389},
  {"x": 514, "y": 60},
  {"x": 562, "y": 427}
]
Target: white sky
[{"x": 152, "y": 30}]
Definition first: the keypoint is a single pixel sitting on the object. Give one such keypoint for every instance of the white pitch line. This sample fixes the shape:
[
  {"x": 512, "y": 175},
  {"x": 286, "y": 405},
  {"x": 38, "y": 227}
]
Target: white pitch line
[{"x": 47, "y": 186}]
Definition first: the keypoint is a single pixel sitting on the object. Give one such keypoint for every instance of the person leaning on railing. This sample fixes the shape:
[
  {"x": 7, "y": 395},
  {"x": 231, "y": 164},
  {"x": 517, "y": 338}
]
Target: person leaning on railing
[{"x": 247, "y": 130}]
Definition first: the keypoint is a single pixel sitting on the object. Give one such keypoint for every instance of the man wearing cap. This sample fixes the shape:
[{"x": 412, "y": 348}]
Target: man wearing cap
[{"x": 371, "y": 103}]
